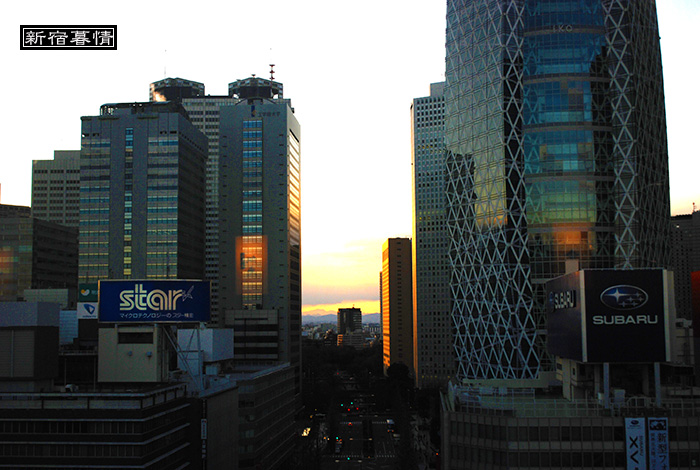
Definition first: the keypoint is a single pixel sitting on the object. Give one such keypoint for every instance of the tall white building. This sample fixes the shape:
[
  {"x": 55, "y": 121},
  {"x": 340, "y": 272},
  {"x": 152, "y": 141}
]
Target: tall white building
[{"x": 432, "y": 323}]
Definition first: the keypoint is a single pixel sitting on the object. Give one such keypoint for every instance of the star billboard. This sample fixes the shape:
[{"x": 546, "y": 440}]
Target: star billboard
[{"x": 171, "y": 301}]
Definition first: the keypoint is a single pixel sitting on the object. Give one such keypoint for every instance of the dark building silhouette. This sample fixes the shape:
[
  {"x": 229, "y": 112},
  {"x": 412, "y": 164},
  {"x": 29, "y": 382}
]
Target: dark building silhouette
[{"x": 35, "y": 254}]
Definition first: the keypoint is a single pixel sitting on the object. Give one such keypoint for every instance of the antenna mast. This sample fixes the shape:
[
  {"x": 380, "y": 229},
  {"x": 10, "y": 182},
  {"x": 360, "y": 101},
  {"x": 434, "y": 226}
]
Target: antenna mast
[{"x": 272, "y": 72}]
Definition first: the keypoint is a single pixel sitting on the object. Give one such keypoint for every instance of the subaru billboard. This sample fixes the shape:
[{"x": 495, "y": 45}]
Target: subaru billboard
[
  {"x": 608, "y": 315},
  {"x": 170, "y": 301}
]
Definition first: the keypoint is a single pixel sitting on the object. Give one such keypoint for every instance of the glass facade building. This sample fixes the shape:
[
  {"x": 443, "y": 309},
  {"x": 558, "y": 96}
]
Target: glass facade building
[
  {"x": 556, "y": 160},
  {"x": 142, "y": 169},
  {"x": 260, "y": 225},
  {"x": 203, "y": 111}
]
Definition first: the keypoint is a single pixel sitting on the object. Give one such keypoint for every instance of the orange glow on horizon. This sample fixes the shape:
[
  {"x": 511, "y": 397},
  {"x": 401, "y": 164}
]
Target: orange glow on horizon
[{"x": 367, "y": 306}]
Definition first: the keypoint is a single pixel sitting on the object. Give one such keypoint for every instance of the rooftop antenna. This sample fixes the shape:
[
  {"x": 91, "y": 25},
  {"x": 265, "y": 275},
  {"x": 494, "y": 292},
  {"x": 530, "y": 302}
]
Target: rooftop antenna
[
  {"x": 272, "y": 72},
  {"x": 165, "y": 64},
  {"x": 693, "y": 207}
]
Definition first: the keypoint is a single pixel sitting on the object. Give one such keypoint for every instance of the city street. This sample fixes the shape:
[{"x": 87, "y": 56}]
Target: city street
[{"x": 366, "y": 444}]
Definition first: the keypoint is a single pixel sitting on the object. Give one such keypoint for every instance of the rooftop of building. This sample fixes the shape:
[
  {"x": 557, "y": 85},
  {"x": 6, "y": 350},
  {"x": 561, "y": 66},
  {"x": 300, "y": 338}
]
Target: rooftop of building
[
  {"x": 8, "y": 210},
  {"x": 103, "y": 397},
  {"x": 146, "y": 107},
  {"x": 549, "y": 403}
]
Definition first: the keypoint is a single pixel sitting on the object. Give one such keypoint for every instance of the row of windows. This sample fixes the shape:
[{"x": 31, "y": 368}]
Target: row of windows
[
  {"x": 256, "y": 124},
  {"x": 55, "y": 171},
  {"x": 574, "y": 12},
  {"x": 563, "y": 54},
  {"x": 252, "y": 229},
  {"x": 61, "y": 450},
  {"x": 70, "y": 427}
]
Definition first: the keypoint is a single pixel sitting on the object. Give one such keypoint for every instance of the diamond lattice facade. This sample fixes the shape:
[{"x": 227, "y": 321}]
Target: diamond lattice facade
[{"x": 556, "y": 160}]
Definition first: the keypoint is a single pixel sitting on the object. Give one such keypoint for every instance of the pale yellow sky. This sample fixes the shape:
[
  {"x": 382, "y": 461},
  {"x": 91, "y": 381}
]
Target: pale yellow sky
[{"x": 351, "y": 70}]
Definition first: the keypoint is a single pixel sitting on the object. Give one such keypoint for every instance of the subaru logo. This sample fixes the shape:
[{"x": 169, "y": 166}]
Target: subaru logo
[{"x": 623, "y": 297}]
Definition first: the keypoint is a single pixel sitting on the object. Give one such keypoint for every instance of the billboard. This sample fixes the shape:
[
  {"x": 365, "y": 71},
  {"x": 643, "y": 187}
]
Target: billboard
[
  {"x": 564, "y": 316},
  {"x": 635, "y": 443},
  {"x": 658, "y": 444},
  {"x": 87, "y": 301},
  {"x": 169, "y": 301},
  {"x": 610, "y": 315}
]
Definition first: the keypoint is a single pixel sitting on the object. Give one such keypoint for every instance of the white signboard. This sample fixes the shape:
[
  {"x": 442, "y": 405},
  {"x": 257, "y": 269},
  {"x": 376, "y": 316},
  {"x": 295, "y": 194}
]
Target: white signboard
[
  {"x": 635, "y": 443},
  {"x": 87, "y": 310}
]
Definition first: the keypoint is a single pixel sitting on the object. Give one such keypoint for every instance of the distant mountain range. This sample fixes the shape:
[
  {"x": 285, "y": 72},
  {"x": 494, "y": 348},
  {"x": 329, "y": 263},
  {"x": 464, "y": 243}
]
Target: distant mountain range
[{"x": 333, "y": 318}]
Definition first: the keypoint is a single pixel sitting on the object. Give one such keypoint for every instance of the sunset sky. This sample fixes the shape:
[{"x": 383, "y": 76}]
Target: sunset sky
[{"x": 351, "y": 70}]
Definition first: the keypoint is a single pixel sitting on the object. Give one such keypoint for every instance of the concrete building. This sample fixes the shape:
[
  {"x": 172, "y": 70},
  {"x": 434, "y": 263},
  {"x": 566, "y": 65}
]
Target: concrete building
[
  {"x": 28, "y": 346},
  {"x": 356, "y": 339},
  {"x": 349, "y": 320},
  {"x": 8, "y": 211},
  {"x": 260, "y": 224},
  {"x": 35, "y": 254},
  {"x": 203, "y": 111},
  {"x": 616, "y": 402},
  {"x": 149, "y": 428},
  {"x": 56, "y": 188},
  {"x": 267, "y": 406},
  {"x": 136, "y": 417},
  {"x": 397, "y": 303},
  {"x": 433, "y": 362},
  {"x": 142, "y": 194},
  {"x": 685, "y": 258}
]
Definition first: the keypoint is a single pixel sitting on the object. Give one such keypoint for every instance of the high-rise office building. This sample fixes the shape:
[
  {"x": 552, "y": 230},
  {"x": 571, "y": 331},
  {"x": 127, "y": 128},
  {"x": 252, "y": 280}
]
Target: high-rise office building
[
  {"x": 557, "y": 163},
  {"x": 434, "y": 362},
  {"x": 349, "y": 320},
  {"x": 56, "y": 188},
  {"x": 397, "y": 303},
  {"x": 203, "y": 111},
  {"x": 260, "y": 225},
  {"x": 556, "y": 160},
  {"x": 142, "y": 194},
  {"x": 685, "y": 258}
]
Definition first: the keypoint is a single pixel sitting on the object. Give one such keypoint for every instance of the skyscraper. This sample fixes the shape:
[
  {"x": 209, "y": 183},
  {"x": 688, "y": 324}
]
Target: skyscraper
[
  {"x": 349, "y": 320},
  {"x": 142, "y": 194},
  {"x": 432, "y": 322},
  {"x": 397, "y": 303},
  {"x": 260, "y": 224},
  {"x": 56, "y": 188},
  {"x": 556, "y": 160},
  {"x": 203, "y": 111},
  {"x": 685, "y": 259}
]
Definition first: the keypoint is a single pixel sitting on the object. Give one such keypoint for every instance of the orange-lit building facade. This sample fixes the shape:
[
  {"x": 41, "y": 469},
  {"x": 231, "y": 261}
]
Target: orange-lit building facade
[
  {"x": 260, "y": 225},
  {"x": 397, "y": 303}
]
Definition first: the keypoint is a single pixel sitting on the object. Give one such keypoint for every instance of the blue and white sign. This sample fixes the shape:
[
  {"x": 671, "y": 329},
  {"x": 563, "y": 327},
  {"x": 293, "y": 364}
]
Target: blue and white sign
[
  {"x": 87, "y": 310},
  {"x": 658, "y": 444},
  {"x": 624, "y": 297},
  {"x": 635, "y": 443},
  {"x": 154, "y": 301}
]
